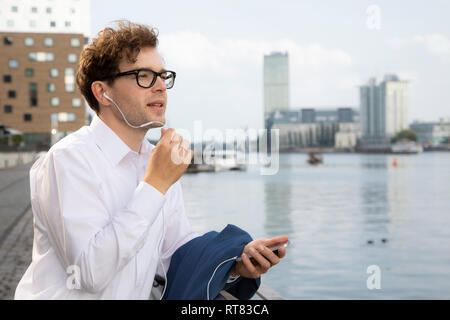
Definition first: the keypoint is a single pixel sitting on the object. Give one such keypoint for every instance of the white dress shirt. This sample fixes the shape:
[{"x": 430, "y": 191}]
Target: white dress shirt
[{"x": 96, "y": 220}]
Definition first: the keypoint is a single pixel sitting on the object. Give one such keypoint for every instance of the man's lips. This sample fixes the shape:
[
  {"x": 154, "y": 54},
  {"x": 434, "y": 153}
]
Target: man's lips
[{"x": 156, "y": 105}]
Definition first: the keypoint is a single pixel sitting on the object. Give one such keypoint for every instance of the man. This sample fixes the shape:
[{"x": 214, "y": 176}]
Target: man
[{"x": 108, "y": 206}]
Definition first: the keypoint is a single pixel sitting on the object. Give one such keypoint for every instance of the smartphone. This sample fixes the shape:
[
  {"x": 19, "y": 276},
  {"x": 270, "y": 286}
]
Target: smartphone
[{"x": 274, "y": 249}]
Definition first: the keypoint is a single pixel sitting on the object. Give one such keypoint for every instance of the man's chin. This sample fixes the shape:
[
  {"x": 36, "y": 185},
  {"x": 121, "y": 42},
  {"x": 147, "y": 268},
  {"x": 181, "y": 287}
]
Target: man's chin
[{"x": 158, "y": 122}]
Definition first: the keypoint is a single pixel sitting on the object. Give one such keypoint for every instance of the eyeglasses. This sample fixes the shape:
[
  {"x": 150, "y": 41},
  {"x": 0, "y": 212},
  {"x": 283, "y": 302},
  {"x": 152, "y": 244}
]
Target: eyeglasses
[{"x": 146, "y": 78}]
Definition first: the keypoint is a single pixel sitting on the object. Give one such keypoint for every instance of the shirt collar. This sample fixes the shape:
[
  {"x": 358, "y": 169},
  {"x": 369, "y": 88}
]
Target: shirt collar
[{"x": 111, "y": 144}]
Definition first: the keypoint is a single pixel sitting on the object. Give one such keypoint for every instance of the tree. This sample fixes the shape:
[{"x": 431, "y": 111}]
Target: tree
[{"x": 406, "y": 134}]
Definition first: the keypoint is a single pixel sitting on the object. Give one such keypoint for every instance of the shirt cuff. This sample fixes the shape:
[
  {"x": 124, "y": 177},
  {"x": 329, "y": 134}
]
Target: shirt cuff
[
  {"x": 232, "y": 279},
  {"x": 147, "y": 200}
]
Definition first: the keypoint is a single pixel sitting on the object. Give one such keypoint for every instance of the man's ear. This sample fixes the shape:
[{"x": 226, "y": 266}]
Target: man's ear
[{"x": 98, "y": 89}]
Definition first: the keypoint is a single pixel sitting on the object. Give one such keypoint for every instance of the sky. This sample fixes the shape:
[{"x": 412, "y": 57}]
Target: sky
[{"x": 217, "y": 49}]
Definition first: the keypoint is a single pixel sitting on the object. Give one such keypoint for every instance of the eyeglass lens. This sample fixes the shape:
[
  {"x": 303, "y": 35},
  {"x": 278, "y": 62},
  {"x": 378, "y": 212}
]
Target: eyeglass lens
[{"x": 146, "y": 77}]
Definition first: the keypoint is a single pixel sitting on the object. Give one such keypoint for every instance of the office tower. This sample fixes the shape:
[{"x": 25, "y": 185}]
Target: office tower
[
  {"x": 384, "y": 111},
  {"x": 276, "y": 83}
]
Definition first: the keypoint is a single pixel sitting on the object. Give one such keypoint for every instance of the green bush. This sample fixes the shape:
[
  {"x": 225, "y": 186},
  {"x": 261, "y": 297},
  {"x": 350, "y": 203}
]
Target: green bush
[
  {"x": 406, "y": 135},
  {"x": 17, "y": 139}
]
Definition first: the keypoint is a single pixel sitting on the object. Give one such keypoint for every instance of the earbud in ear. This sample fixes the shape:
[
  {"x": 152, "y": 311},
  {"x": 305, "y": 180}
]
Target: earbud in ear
[{"x": 107, "y": 97}]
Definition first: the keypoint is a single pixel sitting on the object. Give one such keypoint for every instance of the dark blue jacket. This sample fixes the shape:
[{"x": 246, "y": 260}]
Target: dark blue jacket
[{"x": 193, "y": 264}]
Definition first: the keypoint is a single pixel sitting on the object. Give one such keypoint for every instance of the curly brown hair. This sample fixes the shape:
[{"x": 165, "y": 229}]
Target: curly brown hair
[{"x": 100, "y": 59}]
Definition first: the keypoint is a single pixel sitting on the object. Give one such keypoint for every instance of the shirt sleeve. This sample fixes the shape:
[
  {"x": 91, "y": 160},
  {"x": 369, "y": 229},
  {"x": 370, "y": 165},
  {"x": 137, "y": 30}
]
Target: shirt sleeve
[
  {"x": 81, "y": 230},
  {"x": 178, "y": 229}
]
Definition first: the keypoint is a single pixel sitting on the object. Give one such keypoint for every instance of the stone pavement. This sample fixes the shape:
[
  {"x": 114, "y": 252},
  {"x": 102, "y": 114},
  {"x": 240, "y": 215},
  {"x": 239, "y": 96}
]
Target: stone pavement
[{"x": 16, "y": 228}]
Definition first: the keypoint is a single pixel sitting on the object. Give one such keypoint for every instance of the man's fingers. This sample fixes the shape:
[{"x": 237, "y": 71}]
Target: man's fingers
[
  {"x": 269, "y": 255},
  {"x": 185, "y": 144},
  {"x": 275, "y": 241},
  {"x": 166, "y": 135},
  {"x": 248, "y": 264},
  {"x": 281, "y": 252},
  {"x": 265, "y": 265}
]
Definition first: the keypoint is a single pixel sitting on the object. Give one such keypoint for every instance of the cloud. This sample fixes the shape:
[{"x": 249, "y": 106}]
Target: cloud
[
  {"x": 436, "y": 44},
  {"x": 193, "y": 50},
  {"x": 238, "y": 63}
]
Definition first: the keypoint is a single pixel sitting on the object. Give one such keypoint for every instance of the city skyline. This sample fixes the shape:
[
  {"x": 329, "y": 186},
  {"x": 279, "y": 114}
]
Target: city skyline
[{"x": 332, "y": 51}]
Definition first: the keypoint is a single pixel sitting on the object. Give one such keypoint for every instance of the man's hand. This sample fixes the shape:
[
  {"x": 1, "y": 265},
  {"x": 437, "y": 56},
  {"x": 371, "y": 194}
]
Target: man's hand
[
  {"x": 262, "y": 257},
  {"x": 168, "y": 160}
]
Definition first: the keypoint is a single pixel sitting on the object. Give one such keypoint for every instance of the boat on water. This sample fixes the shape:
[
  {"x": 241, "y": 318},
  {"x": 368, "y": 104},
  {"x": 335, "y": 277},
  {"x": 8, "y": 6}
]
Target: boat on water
[
  {"x": 219, "y": 160},
  {"x": 315, "y": 158},
  {"x": 200, "y": 167},
  {"x": 406, "y": 147},
  {"x": 228, "y": 160}
]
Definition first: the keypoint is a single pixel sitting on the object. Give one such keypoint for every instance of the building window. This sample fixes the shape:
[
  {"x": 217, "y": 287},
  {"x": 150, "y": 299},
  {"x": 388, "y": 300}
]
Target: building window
[
  {"x": 41, "y": 56},
  {"x": 71, "y": 117},
  {"x": 7, "y": 78},
  {"x": 67, "y": 24},
  {"x": 32, "y": 23},
  {"x": 34, "y": 10},
  {"x": 14, "y": 9},
  {"x": 48, "y": 10},
  {"x": 69, "y": 71},
  {"x": 63, "y": 117},
  {"x": 72, "y": 10},
  {"x": 11, "y": 93},
  {"x": 75, "y": 42},
  {"x": 8, "y": 108},
  {"x": 72, "y": 57},
  {"x": 48, "y": 42},
  {"x": 54, "y": 72},
  {"x": 76, "y": 102},
  {"x": 13, "y": 64},
  {"x": 7, "y": 41},
  {"x": 27, "y": 117},
  {"x": 33, "y": 94},
  {"x": 69, "y": 79},
  {"x": 29, "y": 72},
  {"x": 50, "y": 87},
  {"x": 49, "y": 56},
  {"x": 29, "y": 41},
  {"x": 52, "y": 24},
  {"x": 10, "y": 23},
  {"x": 54, "y": 101}
]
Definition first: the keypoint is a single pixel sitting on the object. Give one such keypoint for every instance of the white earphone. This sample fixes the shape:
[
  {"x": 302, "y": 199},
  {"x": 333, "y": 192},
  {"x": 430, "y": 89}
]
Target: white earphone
[{"x": 123, "y": 116}]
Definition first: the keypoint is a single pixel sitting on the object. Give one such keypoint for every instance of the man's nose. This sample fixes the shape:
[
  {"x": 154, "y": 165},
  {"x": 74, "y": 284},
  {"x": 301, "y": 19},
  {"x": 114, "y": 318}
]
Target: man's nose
[{"x": 159, "y": 85}]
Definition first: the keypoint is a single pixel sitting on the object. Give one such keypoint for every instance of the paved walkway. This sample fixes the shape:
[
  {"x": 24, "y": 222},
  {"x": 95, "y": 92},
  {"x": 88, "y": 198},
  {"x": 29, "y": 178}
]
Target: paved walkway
[{"x": 16, "y": 228}]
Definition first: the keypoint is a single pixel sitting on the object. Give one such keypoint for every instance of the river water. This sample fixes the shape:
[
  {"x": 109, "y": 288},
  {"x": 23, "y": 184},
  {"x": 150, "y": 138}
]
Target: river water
[{"x": 355, "y": 222}]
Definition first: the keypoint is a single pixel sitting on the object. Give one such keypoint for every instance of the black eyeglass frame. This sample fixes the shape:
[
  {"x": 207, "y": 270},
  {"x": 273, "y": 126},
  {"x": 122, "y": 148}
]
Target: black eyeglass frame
[{"x": 155, "y": 75}]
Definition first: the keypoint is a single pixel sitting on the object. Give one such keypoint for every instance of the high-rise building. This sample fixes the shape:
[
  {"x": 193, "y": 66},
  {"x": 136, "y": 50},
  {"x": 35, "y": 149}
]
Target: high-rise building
[
  {"x": 316, "y": 128},
  {"x": 276, "y": 83},
  {"x": 384, "y": 111},
  {"x": 40, "y": 44},
  {"x": 48, "y": 16}
]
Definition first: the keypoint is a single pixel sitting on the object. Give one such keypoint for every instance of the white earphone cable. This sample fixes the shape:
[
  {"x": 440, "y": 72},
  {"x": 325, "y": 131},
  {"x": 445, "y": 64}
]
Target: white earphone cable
[
  {"x": 123, "y": 116},
  {"x": 209, "y": 282},
  {"x": 159, "y": 253}
]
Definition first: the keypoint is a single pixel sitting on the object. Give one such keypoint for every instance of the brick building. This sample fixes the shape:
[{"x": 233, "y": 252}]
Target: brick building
[
  {"x": 40, "y": 44},
  {"x": 38, "y": 91}
]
